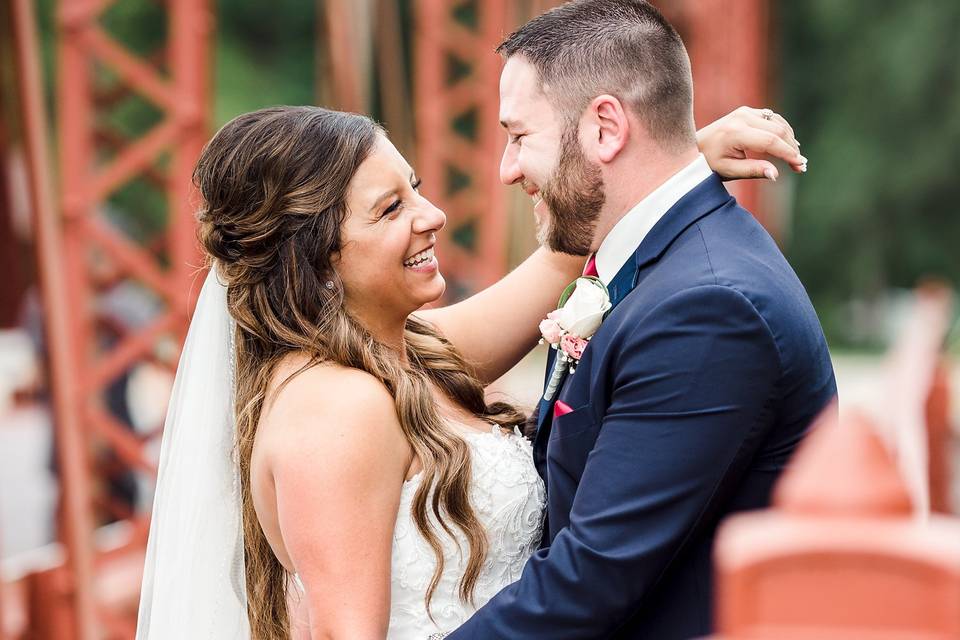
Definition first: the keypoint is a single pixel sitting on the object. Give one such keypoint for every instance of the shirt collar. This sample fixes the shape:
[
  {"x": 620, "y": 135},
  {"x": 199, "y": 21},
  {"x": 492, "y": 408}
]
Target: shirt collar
[{"x": 629, "y": 232}]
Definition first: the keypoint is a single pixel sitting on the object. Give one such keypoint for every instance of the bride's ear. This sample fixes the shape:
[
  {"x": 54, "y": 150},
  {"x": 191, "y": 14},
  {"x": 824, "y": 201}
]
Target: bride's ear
[{"x": 609, "y": 125}]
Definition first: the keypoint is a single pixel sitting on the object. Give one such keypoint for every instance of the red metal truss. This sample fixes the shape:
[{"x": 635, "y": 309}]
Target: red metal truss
[
  {"x": 458, "y": 135},
  {"x": 76, "y": 532},
  {"x": 346, "y": 53},
  {"x": 83, "y": 254}
]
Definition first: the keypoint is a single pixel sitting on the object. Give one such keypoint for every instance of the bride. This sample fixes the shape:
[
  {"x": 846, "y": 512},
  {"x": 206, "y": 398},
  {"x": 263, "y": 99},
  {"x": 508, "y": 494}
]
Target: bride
[{"x": 330, "y": 467}]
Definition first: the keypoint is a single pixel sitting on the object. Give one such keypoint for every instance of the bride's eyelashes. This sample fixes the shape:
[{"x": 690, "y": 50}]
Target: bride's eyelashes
[
  {"x": 397, "y": 204},
  {"x": 392, "y": 208}
]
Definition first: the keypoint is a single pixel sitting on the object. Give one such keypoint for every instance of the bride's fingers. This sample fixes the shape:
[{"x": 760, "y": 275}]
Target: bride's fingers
[
  {"x": 783, "y": 121},
  {"x": 760, "y": 141},
  {"x": 742, "y": 168},
  {"x": 776, "y": 127},
  {"x": 775, "y": 118}
]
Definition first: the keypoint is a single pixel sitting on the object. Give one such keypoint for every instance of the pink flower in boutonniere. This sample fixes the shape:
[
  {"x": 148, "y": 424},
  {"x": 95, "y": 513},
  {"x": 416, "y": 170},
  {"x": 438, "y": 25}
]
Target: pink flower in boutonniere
[
  {"x": 573, "y": 346},
  {"x": 551, "y": 329}
]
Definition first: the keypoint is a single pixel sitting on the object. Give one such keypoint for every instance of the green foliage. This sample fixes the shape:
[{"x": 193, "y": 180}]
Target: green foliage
[
  {"x": 265, "y": 55},
  {"x": 873, "y": 90}
]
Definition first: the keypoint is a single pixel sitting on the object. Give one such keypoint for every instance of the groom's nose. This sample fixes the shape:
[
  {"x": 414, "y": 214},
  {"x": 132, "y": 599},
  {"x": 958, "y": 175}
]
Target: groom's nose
[{"x": 509, "y": 167}]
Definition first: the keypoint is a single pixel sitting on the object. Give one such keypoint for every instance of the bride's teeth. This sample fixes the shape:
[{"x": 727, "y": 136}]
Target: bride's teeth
[{"x": 420, "y": 258}]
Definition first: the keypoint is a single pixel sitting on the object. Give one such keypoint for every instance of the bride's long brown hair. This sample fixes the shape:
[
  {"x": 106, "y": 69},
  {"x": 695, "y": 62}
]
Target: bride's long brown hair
[{"x": 274, "y": 184}]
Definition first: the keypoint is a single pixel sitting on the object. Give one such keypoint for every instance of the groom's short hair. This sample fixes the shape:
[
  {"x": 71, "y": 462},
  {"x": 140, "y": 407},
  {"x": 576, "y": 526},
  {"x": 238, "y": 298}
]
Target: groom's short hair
[{"x": 624, "y": 48}]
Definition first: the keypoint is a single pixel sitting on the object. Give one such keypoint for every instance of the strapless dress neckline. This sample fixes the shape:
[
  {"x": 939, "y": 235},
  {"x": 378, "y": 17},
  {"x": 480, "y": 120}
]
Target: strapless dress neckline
[{"x": 508, "y": 498}]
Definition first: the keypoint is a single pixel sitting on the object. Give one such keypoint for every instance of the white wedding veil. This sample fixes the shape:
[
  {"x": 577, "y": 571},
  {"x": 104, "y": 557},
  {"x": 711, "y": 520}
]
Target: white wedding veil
[{"x": 193, "y": 578}]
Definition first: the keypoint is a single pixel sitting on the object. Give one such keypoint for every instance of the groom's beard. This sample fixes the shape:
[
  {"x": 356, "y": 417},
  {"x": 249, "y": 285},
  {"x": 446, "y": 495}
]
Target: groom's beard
[{"x": 574, "y": 196}]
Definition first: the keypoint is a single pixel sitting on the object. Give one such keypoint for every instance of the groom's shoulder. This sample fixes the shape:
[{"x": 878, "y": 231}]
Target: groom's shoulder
[
  {"x": 742, "y": 254},
  {"x": 729, "y": 248},
  {"x": 733, "y": 232},
  {"x": 725, "y": 257}
]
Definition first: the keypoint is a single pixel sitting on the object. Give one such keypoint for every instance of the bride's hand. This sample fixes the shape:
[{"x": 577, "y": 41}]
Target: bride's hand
[{"x": 733, "y": 144}]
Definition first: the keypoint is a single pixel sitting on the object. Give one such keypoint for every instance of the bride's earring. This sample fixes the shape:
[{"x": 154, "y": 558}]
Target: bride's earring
[{"x": 330, "y": 285}]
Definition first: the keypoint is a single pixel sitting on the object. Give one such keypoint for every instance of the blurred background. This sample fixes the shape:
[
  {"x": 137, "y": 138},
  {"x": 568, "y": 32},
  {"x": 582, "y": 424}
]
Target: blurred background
[{"x": 104, "y": 106}]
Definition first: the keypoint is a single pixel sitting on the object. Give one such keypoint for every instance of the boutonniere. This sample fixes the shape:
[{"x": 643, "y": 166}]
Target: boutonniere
[{"x": 569, "y": 328}]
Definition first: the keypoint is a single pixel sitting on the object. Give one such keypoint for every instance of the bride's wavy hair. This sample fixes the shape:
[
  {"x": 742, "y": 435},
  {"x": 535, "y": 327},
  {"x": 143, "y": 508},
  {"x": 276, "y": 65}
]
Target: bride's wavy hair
[{"x": 274, "y": 185}]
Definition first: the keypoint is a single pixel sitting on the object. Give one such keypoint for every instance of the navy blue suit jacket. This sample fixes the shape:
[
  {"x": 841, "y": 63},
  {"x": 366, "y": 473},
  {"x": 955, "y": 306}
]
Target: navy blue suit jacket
[{"x": 687, "y": 405}]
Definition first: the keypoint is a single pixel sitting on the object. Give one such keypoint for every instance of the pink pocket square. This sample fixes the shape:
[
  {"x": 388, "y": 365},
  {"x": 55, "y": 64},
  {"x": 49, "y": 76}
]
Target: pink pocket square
[{"x": 561, "y": 408}]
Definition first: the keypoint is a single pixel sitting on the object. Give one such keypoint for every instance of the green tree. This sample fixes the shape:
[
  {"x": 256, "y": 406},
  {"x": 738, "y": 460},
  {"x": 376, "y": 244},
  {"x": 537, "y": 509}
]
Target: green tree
[{"x": 873, "y": 90}]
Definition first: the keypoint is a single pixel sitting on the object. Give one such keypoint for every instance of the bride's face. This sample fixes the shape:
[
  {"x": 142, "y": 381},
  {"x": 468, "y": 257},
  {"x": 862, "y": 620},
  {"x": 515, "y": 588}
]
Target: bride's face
[{"x": 386, "y": 263}]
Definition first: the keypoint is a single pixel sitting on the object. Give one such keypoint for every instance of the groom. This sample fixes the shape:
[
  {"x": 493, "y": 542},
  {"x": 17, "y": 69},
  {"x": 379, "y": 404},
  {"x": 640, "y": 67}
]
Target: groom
[{"x": 704, "y": 377}]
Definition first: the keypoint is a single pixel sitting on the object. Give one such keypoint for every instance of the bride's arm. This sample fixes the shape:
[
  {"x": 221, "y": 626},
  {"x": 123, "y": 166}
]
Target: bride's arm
[
  {"x": 496, "y": 327},
  {"x": 337, "y": 458}
]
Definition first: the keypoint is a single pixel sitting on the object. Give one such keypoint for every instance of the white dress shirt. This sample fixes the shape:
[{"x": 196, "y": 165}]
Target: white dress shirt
[{"x": 622, "y": 241}]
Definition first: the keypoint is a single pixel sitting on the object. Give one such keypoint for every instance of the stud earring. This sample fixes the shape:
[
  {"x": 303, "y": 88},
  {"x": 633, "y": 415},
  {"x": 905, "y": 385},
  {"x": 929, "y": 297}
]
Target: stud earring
[{"x": 330, "y": 285}]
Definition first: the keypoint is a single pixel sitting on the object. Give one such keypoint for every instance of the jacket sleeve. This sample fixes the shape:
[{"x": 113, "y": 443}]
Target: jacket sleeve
[{"x": 694, "y": 384}]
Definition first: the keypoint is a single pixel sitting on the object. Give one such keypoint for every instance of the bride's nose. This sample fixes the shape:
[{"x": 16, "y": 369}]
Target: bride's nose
[{"x": 429, "y": 219}]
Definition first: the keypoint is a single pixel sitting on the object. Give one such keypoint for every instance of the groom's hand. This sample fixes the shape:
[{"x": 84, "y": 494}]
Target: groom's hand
[{"x": 738, "y": 144}]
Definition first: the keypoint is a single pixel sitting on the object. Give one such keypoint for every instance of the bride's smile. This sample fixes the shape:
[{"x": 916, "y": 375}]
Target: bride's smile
[{"x": 388, "y": 264}]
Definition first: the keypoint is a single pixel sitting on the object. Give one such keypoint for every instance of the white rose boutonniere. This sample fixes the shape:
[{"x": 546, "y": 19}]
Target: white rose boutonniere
[{"x": 570, "y": 327}]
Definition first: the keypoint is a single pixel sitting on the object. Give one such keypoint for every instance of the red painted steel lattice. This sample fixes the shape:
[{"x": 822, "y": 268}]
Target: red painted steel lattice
[
  {"x": 91, "y": 251},
  {"x": 458, "y": 135}
]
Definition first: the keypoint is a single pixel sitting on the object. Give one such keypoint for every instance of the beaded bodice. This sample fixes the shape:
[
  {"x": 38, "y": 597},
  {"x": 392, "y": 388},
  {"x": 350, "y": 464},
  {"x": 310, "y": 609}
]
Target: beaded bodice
[{"x": 508, "y": 497}]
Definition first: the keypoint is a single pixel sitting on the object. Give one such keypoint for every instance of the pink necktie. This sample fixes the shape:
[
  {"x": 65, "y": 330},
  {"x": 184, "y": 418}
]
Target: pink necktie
[{"x": 591, "y": 268}]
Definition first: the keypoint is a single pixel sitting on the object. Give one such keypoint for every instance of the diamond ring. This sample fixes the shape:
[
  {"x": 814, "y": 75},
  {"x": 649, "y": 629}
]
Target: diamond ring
[{"x": 766, "y": 114}]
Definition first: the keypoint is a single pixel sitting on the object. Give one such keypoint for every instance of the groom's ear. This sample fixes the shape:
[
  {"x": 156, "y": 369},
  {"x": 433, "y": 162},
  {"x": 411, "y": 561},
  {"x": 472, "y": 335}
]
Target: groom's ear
[{"x": 609, "y": 127}]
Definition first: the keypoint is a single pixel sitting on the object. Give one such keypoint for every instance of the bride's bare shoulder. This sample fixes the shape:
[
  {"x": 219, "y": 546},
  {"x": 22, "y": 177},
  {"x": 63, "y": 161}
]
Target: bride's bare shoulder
[{"x": 311, "y": 401}]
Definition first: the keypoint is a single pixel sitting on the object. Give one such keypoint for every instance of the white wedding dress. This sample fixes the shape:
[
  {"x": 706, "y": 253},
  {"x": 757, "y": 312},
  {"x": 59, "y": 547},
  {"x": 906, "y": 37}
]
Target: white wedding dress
[
  {"x": 193, "y": 580},
  {"x": 508, "y": 497}
]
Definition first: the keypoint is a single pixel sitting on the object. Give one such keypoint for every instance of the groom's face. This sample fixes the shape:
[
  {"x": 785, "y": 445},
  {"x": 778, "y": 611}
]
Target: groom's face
[{"x": 544, "y": 156}]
